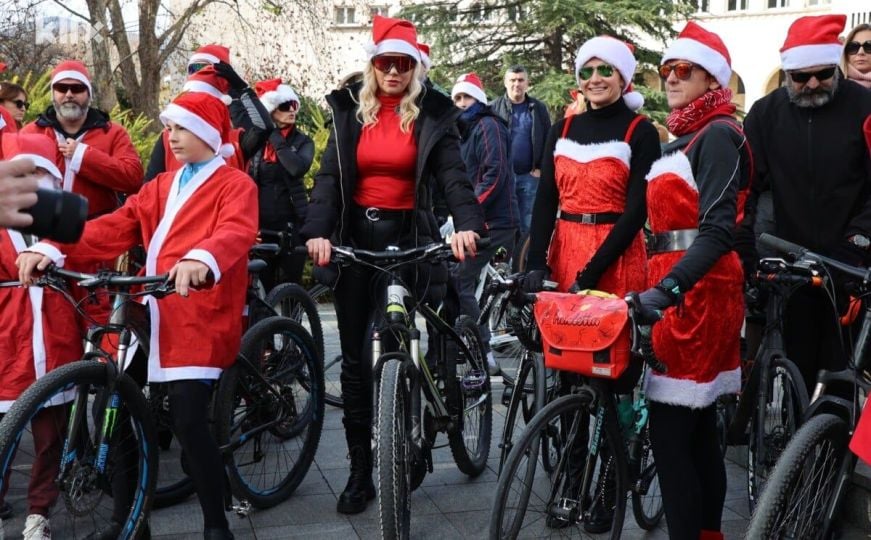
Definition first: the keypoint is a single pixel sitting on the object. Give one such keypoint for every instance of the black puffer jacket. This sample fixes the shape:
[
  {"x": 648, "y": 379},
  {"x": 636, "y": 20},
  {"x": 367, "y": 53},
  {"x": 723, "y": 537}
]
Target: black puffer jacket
[
  {"x": 280, "y": 184},
  {"x": 438, "y": 160}
]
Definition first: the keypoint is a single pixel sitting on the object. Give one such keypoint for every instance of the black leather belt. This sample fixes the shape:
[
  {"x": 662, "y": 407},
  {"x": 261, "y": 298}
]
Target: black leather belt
[
  {"x": 378, "y": 214},
  {"x": 678, "y": 240},
  {"x": 590, "y": 219}
]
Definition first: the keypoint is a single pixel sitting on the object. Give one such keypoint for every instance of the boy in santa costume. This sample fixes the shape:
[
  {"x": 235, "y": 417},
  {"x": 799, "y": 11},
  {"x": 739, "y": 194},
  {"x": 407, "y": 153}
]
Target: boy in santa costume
[
  {"x": 195, "y": 222},
  {"x": 38, "y": 333}
]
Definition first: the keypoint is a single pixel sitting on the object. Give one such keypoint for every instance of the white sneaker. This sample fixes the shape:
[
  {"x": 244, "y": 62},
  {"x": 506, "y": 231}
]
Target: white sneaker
[{"x": 36, "y": 527}]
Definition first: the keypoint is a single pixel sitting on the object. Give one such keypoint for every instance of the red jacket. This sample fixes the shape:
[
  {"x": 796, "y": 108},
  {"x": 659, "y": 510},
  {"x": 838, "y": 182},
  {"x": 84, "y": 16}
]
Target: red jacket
[{"x": 104, "y": 164}]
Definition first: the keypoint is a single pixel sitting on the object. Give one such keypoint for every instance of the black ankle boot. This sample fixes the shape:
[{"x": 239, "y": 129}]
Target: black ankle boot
[
  {"x": 218, "y": 534},
  {"x": 359, "y": 490}
]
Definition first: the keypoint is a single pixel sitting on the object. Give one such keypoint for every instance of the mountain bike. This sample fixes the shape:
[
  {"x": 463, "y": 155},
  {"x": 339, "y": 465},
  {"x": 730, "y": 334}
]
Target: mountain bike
[
  {"x": 448, "y": 390},
  {"x": 603, "y": 452},
  {"x": 805, "y": 491}
]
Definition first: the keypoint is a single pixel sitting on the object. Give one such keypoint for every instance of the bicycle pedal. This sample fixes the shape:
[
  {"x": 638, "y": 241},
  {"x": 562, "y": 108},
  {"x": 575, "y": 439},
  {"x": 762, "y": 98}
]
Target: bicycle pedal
[
  {"x": 475, "y": 380},
  {"x": 242, "y": 509},
  {"x": 506, "y": 395}
]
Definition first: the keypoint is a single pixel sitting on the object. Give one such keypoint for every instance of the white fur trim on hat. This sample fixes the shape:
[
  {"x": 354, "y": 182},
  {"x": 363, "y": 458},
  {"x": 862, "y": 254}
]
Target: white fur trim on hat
[
  {"x": 805, "y": 56},
  {"x": 399, "y": 46},
  {"x": 465, "y": 87},
  {"x": 226, "y": 150},
  {"x": 194, "y": 124},
  {"x": 610, "y": 50},
  {"x": 699, "y": 53},
  {"x": 42, "y": 162},
  {"x": 271, "y": 100},
  {"x": 72, "y": 74},
  {"x": 196, "y": 58},
  {"x": 206, "y": 88}
]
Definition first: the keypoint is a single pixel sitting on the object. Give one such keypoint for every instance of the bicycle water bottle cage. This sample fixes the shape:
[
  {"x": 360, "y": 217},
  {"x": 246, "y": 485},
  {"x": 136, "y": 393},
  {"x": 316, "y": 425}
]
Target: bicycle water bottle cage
[{"x": 586, "y": 334}]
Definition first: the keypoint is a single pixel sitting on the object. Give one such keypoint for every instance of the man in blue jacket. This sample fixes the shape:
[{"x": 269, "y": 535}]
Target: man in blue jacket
[{"x": 485, "y": 151}]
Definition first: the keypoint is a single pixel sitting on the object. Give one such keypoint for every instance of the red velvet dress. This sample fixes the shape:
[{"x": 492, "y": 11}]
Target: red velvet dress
[{"x": 591, "y": 179}]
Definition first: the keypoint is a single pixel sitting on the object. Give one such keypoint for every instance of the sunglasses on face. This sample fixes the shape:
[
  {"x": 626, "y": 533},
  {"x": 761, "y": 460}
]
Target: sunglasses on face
[
  {"x": 20, "y": 103},
  {"x": 821, "y": 75},
  {"x": 681, "y": 70},
  {"x": 854, "y": 46},
  {"x": 288, "y": 106},
  {"x": 604, "y": 70},
  {"x": 384, "y": 63},
  {"x": 75, "y": 88},
  {"x": 193, "y": 68}
]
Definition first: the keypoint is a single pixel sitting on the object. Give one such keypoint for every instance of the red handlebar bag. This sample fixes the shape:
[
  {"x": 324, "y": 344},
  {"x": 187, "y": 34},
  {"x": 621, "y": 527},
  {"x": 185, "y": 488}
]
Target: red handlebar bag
[{"x": 584, "y": 333}]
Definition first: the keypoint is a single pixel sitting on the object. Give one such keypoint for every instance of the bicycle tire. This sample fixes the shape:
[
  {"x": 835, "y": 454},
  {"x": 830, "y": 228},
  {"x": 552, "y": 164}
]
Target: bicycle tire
[
  {"x": 812, "y": 460},
  {"x": 247, "y": 413},
  {"x": 393, "y": 451},
  {"x": 291, "y": 300},
  {"x": 468, "y": 397},
  {"x": 767, "y": 443},
  {"x": 646, "y": 495},
  {"x": 522, "y": 406},
  {"x": 79, "y": 501},
  {"x": 321, "y": 295},
  {"x": 541, "y": 488}
]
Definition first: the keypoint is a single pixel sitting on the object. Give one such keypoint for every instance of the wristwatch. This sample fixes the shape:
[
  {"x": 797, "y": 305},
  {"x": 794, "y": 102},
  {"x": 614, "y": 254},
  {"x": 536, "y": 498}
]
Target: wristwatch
[
  {"x": 860, "y": 241},
  {"x": 670, "y": 286}
]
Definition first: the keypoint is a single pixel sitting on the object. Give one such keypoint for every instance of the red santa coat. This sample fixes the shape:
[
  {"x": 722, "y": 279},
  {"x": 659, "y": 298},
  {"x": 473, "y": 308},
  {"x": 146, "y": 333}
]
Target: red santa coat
[
  {"x": 236, "y": 161},
  {"x": 38, "y": 329},
  {"x": 105, "y": 163},
  {"x": 7, "y": 122},
  {"x": 212, "y": 220}
]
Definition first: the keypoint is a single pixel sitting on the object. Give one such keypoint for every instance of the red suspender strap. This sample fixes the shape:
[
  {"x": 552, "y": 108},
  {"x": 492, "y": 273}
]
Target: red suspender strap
[
  {"x": 566, "y": 125},
  {"x": 631, "y": 129}
]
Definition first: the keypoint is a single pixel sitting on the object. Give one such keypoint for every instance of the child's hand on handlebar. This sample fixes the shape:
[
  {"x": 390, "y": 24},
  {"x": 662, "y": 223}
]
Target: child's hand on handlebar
[
  {"x": 27, "y": 262},
  {"x": 187, "y": 274},
  {"x": 463, "y": 241},
  {"x": 320, "y": 250}
]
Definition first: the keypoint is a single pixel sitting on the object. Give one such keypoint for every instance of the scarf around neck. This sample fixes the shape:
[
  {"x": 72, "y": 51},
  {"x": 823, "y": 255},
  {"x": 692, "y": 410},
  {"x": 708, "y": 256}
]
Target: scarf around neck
[
  {"x": 699, "y": 111},
  {"x": 862, "y": 78}
]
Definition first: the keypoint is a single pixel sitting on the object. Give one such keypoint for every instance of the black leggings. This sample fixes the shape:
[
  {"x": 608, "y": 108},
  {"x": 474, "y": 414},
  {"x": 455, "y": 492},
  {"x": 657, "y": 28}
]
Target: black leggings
[{"x": 692, "y": 475}]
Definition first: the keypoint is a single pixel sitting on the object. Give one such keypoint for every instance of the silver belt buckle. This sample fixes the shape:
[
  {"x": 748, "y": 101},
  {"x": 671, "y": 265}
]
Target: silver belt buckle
[
  {"x": 587, "y": 219},
  {"x": 372, "y": 214}
]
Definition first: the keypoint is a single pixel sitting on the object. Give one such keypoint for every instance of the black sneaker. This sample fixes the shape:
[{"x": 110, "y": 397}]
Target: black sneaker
[{"x": 599, "y": 519}]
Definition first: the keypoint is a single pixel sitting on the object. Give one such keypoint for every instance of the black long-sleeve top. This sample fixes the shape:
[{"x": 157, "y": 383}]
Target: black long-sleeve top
[{"x": 607, "y": 124}]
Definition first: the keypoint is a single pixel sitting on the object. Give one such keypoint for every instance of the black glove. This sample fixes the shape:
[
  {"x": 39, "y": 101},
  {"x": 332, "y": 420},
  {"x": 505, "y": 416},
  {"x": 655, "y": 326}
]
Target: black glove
[
  {"x": 850, "y": 253},
  {"x": 533, "y": 281},
  {"x": 585, "y": 280},
  {"x": 651, "y": 303},
  {"x": 226, "y": 71}
]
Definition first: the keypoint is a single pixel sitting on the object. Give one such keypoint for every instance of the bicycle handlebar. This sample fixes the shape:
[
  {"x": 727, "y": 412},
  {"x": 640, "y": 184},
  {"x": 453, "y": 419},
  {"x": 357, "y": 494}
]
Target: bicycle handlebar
[
  {"x": 798, "y": 252},
  {"x": 433, "y": 252}
]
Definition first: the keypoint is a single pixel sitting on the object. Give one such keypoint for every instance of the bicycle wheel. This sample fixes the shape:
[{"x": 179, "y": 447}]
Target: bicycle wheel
[
  {"x": 646, "y": 495},
  {"x": 393, "y": 451},
  {"x": 531, "y": 503},
  {"x": 323, "y": 298},
  {"x": 796, "y": 503},
  {"x": 511, "y": 349},
  {"x": 522, "y": 405},
  {"x": 467, "y": 395},
  {"x": 83, "y": 472},
  {"x": 269, "y": 411},
  {"x": 783, "y": 402},
  {"x": 291, "y": 300},
  {"x": 173, "y": 483}
]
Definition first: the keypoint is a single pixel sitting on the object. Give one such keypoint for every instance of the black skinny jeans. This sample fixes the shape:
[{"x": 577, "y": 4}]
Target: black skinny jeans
[{"x": 692, "y": 475}]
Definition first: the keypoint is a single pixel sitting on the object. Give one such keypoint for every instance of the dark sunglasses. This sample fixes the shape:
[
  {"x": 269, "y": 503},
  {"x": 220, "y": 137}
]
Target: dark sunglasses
[
  {"x": 384, "y": 63},
  {"x": 20, "y": 103},
  {"x": 682, "y": 70},
  {"x": 821, "y": 75},
  {"x": 854, "y": 46},
  {"x": 288, "y": 106},
  {"x": 193, "y": 68},
  {"x": 604, "y": 70},
  {"x": 75, "y": 88}
]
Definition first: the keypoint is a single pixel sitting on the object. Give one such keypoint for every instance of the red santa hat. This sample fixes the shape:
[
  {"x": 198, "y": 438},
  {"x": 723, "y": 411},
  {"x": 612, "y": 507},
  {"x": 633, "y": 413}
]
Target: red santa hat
[
  {"x": 72, "y": 69},
  {"x": 2, "y": 67},
  {"x": 203, "y": 115},
  {"x": 424, "y": 55},
  {"x": 210, "y": 54},
  {"x": 273, "y": 93},
  {"x": 41, "y": 150},
  {"x": 813, "y": 41},
  {"x": 393, "y": 36},
  {"x": 209, "y": 82},
  {"x": 704, "y": 48},
  {"x": 617, "y": 53},
  {"x": 469, "y": 84}
]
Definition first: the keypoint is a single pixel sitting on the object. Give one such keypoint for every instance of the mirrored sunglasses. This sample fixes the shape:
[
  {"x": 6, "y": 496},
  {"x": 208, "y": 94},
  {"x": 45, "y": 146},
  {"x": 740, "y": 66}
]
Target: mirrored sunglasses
[
  {"x": 854, "y": 46},
  {"x": 604, "y": 70},
  {"x": 682, "y": 70},
  {"x": 288, "y": 106},
  {"x": 385, "y": 63},
  {"x": 804, "y": 76},
  {"x": 196, "y": 66},
  {"x": 75, "y": 88}
]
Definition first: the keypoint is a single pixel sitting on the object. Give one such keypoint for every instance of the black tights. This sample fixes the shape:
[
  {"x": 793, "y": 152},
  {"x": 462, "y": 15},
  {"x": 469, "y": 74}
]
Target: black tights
[{"x": 692, "y": 475}]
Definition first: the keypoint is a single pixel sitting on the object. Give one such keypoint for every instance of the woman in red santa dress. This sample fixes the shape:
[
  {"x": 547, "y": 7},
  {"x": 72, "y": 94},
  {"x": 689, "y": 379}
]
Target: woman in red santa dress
[
  {"x": 38, "y": 333},
  {"x": 695, "y": 197}
]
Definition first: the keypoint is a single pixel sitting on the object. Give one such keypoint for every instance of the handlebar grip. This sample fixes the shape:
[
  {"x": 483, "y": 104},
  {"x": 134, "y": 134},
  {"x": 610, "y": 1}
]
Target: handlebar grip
[
  {"x": 300, "y": 250},
  {"x": 781, "y": 245},
  {"x": 482, "y": 243}
]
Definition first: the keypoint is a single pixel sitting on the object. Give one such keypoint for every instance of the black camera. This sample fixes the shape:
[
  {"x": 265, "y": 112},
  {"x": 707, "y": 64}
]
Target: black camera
[{"x": 57, "y": 215}]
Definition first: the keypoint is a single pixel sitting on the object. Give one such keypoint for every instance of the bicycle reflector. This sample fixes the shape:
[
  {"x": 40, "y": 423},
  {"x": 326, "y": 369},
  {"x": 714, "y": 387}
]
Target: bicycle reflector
[
  {"x": 586, "y": 334},
  {"x": 860, "y": 444}
]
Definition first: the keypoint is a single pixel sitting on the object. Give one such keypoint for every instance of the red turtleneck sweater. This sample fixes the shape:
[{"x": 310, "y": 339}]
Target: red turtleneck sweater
[{"x": 386, "y": 161}]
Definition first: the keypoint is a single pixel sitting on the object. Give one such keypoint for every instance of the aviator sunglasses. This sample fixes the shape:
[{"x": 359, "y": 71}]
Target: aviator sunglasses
[
  {"x": 288, "y": 106},
  {"x": 604, "y": 70},
  {"x": 75, "y": 88},
  {"x": 854, "y": 46},
  {"x": 384, "y": 63},
  {"x": 682, "y": 70},
  {"x": 821, "y": 75}
]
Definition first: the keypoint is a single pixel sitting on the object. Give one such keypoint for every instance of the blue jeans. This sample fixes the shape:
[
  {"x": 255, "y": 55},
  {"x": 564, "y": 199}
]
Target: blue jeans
[{"x": 525, "y": 185}]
